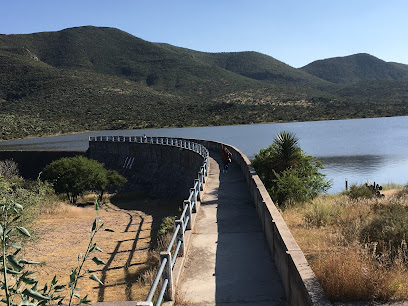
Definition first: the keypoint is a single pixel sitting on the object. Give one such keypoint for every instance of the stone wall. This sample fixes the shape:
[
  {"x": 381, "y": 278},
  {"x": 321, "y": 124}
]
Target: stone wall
[{"x": 156, "y": 169}]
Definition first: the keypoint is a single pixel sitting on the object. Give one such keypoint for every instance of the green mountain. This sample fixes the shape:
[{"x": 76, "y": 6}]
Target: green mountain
[
  {"x": 356, "y": 68},
  {"x": 92, "y": 78}
]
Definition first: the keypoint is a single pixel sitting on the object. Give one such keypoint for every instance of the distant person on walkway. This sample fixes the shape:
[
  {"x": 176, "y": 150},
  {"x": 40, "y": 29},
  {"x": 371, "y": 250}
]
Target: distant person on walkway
[
  {"x": 225, "y": 157},
  {"x": 144, "y": 138}
]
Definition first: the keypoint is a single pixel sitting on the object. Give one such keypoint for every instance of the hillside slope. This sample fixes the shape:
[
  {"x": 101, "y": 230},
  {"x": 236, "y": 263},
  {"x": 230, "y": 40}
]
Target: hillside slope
[
  {"x": 92, "y": 78},
  {"x": 356, "y": 68}
]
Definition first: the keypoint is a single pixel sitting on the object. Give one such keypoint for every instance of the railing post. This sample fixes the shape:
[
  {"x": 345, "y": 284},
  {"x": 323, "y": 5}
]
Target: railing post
[
  {"x": 200, "y": 180},
  {"x": 168, "y": 273},
  {"x": 180, "y": 236},
  {"x": 194, "y": 199},
  {"x": 203, "y": 173},
  {"x": 199, "y": 191},
  {"x": 189, "y": 213}
]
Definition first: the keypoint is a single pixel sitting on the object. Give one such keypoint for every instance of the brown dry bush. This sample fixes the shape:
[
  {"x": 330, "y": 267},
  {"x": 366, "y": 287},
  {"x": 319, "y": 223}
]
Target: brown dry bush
[
  {"x": 352, "y": 275},
  {"x": 350, "y": 268}
]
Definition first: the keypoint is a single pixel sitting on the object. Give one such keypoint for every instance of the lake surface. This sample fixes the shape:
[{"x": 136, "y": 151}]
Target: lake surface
[{"x": 357, "y": 150}]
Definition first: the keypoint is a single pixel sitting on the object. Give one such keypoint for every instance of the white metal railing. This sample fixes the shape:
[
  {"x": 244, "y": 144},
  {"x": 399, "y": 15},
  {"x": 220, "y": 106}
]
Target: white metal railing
[{"x": 168, "y": 259}]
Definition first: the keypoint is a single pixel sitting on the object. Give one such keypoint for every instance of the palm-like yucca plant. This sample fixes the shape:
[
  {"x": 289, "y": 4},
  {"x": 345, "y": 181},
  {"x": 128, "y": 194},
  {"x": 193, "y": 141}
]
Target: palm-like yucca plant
[
  {"x": 287, "y": 172},
  {"x": 286, "y": 151}
]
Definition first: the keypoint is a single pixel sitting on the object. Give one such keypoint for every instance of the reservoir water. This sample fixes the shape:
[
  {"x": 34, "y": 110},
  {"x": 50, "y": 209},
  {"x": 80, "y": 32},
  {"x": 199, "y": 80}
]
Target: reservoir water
[{"x": 357, "y": 150}]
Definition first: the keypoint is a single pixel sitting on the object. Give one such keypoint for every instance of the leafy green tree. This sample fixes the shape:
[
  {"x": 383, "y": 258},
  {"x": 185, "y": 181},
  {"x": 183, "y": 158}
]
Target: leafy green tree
[
  {"x": 75, "y": 175},
  {"x": 288, "y": 173},
  {"x": 113, "y": 178}
]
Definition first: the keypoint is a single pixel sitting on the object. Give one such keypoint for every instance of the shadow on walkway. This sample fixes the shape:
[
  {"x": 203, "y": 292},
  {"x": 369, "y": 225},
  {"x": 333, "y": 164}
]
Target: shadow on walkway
[{"x": 229, "y": 261}]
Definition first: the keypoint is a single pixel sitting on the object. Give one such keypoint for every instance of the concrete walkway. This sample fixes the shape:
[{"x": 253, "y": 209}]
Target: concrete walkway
[{"x": 228, "y": 261}]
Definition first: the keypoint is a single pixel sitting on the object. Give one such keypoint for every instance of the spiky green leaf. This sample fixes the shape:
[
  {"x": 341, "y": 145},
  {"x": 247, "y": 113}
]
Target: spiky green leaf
[
  {"x": 54, "y": 280},
  {"x": 29, "y": 280},
  {"x": 73, "y": 275},
  {"x": 85, "y": 300},
  {"x": 16, "y": 218},
  {"x": 35, "y": 295},
  {"x": 14, "y": 263},
  {"x": 16, "y": 246},
  {"x": 29, "y": 262},
  {"x": 95, "y": 278},
  {"x": 45, "y": 288},
  {"x": 94, "y": 225},
  {"x": 18, "y": 206},
  {"x": 23, "y": 231},
  {"x": 98, "y": 261},
  {"x": 10, "y": 271}
]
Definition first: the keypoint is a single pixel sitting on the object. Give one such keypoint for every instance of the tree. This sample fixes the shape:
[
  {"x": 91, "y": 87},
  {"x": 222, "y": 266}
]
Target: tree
[
  {"x": 288, "y": 173},
  {"x": 113, "y": 178},
  {"x": 75, "y": 175}
]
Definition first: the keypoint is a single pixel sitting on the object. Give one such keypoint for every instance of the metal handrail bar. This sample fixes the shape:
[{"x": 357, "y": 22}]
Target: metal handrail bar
[
  {"x": 173, "y": 238},
  {"x": 156, "y": 281},
  {"x": 183, "y": 214},
  {"x": 183, "y": 143},
  {"x": 173, "y": 260},
  {"x": 191, "y": 195},
  {"x": 162, "y": 291},
  {"x": 185, "y": 223}
]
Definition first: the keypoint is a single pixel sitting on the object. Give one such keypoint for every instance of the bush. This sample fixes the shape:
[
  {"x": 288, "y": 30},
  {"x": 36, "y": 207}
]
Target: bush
[
  {"x": 321, "y": 212},
  {"x": 75, "y": 175},
  {"x": 364, "y": 191},
  {"x": 387, "y": 230},
  {"x": 288, "y": 173},
  {"x": 167, "y": 226},
  {"x": 8, "y": 169}
]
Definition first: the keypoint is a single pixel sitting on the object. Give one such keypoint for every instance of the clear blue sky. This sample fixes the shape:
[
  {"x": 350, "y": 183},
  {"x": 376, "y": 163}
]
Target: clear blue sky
[{"x": 296, "y": 32}]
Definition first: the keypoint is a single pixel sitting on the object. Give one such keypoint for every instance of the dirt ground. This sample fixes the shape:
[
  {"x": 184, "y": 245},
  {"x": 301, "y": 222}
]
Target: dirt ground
[{"x": 65, "y": 234}]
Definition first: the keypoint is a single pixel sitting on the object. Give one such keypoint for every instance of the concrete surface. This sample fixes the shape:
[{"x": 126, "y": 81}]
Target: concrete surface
[{"x": 229, "y": 261}]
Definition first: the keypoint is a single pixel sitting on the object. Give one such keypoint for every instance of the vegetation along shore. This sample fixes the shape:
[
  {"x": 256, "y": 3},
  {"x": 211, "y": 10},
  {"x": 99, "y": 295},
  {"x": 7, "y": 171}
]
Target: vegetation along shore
[{"x": 93, "y": 78}]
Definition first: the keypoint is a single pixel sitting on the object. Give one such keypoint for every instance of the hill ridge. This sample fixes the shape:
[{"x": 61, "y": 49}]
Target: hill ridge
[{"x": 90, "y": 78}]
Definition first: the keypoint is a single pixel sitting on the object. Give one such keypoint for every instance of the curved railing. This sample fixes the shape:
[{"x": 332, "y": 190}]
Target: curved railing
[{"x": 167, "y": 258}]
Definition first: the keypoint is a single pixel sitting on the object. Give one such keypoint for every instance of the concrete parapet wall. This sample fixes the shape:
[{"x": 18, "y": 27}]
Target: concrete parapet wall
[
  {"x": 159, "y": 170},
  {"x": 300, "y": 283}
]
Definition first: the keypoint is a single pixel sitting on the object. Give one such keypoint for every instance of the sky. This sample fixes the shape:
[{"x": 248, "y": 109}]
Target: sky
[{"x": 296, "y": 32}]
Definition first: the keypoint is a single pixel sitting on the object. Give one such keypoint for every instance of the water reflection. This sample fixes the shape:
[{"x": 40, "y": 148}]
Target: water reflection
[{"x": 359, "y": 169}]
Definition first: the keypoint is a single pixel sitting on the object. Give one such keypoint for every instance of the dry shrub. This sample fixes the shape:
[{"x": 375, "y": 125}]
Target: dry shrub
[
  {"x": 322, "y": 211},
  {"x": 350, "y": 268},
  {"x": 148, "y": 274},
  {"x": 8, "y": 169},
  {"x": 352, "y": 275}
]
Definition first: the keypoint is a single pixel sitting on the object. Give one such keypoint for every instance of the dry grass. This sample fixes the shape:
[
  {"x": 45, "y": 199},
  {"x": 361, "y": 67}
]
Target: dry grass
[
  {"x": 348, "y": 268},
  {"x": 63, "y": 232}
]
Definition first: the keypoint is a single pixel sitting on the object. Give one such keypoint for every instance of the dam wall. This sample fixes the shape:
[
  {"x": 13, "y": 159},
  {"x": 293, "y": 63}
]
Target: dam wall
[{"x": 155, "y": 169}]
